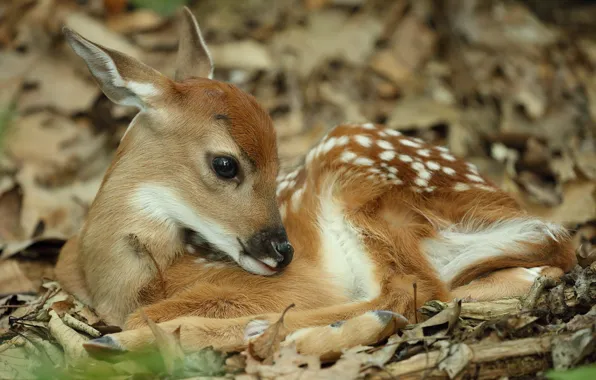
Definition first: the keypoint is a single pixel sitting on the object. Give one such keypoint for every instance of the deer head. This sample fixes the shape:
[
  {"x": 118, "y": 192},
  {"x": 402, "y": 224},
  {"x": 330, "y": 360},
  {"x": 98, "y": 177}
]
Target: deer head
[{"x": 200, "y": 158}]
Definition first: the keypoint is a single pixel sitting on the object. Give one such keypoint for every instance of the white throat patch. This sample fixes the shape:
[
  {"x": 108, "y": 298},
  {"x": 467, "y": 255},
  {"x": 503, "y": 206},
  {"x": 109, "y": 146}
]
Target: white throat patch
[{"x": 165, "y": 206}]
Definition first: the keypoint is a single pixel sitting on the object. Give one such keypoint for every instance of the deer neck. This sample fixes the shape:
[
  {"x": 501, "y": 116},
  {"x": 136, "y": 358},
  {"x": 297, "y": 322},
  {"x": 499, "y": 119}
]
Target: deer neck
[{"x": 121, "y": 247}]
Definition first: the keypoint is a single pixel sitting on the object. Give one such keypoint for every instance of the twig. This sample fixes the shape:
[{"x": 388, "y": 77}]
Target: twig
[
  {"x": 71, "y": 321},
  {"x": 415, "y": 302}
]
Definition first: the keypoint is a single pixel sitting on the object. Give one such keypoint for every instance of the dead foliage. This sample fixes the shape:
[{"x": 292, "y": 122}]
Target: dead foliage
[{"x": 510, "y": 85}]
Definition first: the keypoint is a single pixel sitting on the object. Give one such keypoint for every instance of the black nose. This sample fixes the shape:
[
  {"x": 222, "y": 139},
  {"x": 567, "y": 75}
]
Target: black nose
[
  {"x": 272, "y": 247},
  {"x": 285, "y": 251}
]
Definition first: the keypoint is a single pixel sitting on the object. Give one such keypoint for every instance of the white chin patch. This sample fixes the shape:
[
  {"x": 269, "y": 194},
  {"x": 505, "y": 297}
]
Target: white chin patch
[{"x": 254, "y": 266}]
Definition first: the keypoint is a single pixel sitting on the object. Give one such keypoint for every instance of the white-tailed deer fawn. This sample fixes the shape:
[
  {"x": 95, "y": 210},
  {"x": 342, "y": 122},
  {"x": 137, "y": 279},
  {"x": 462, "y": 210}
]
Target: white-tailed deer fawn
[{"x": 188, "y": 226}]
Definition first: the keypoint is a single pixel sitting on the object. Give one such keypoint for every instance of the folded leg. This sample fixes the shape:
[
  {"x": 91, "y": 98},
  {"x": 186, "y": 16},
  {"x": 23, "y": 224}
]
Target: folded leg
[{"x": 230, "y": 334}]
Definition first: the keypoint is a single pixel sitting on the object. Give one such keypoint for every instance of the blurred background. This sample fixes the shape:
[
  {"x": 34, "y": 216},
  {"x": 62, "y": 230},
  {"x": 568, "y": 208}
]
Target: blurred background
[{"x": 510, "y": 85}]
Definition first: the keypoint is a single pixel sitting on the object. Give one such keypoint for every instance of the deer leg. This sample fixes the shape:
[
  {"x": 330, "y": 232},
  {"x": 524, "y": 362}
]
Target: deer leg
[
  {"x": 505, "y": 283},
  {"x": 368, "y": 326},
  {"x": 201, "y": 300}
]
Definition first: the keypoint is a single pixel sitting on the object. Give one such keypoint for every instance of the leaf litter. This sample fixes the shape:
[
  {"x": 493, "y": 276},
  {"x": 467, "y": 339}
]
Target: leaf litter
[{"x": 510, "y": 85}]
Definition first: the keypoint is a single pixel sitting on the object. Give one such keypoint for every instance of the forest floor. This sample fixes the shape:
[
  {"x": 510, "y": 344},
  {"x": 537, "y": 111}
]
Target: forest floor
[{"x": 511, "y": 86}]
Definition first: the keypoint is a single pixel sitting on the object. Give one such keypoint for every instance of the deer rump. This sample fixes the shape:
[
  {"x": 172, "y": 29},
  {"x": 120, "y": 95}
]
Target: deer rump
[{"x": 344, "y": 236}]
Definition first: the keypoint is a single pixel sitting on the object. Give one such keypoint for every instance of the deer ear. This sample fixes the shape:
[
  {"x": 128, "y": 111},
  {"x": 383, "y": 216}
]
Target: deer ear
[
  {"x": 193, "y": 58},
  {"x": 122, "y": 78}
]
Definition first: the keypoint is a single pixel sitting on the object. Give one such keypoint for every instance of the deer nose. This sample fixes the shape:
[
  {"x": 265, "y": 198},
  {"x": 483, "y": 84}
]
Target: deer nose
[
  {"x": 272, "y": 247},
  {"x": 285, "y": 252}
]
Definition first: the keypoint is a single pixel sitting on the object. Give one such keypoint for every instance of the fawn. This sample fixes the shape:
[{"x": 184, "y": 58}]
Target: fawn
[{"x": 193, "y": 226}]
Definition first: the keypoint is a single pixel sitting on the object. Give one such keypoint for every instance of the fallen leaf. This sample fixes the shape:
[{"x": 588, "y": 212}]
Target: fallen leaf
[
  {"x": 569, "y": 351},
  {"x": 42, "y": 88},
  {"x": 329, "y": 33},
  {"x": 69, "y": 339},
  {"x": 265, "y": 345},
  {"x": 12, "y": 278},
  {"x": 454, "y": 357},
  {"x": 10, "y": 209},
  {"x": 138, "y": 21},
  {"x": 413, "y": 44}
]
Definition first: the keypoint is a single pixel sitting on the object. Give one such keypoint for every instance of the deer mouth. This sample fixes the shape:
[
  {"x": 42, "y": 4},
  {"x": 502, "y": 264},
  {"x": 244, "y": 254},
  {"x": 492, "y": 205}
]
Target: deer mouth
[
  {"x": 256, "y": 266},
  {"x": 196, "y": 244}
]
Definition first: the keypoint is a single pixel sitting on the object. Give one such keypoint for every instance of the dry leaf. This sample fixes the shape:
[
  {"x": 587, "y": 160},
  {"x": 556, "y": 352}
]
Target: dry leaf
[
  {"x": 141, "y": 20},
  {"x": 43, "y": 88},
  {"x": 330, "y": 33},
  {"x": 10, "y": 209},
  {"x": 454, "y": 357},
  {"x": 71, "y": 341},
  {"x": 265, "y": 345},
  {"x": 569, "y": 351},
  {"x": 412, "y": 45},
  {"x": 12, "y": 278}
]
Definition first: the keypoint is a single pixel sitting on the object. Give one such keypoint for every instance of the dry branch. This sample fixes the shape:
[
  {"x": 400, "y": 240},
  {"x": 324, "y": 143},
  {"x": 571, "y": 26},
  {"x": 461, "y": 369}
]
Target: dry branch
[{"x": 489, "y": 360}]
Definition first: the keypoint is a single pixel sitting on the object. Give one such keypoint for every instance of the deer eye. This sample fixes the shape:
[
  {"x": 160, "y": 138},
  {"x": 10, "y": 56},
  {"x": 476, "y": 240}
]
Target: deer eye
[{"x": 225, "y": 167}]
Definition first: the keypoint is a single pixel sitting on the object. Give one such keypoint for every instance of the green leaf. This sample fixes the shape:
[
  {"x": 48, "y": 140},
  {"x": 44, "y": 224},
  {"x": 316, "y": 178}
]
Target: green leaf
[
  {"x": 580, "y": 373},
  {"x": 164, "y": 8},
  {"x": 206, "y": 362}
]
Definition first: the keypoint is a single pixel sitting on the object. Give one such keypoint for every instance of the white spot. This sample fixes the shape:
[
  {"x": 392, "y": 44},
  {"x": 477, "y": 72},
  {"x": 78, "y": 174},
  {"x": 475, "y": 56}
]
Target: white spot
[
  {"x": 409, "y": 142},
  {"x": 383, "y": 134},
  {"x": 472, "y": 167},
  {"x": 283, "y": 185},
  {"x": 425, "y": 174},
  {"x": 461, "y": 186},
  {"x": 347, "y": 156},
  {"x": 433, "y": 165},
  {"x": 475, "y": 178},
  {"x": 397, "y": 182},
  {"x": 392, "y": 170},
  {"x": 200, "y": 260},
  {"x": 369, "y": 126},
  {"x": 293, "y": 174},
  {"x": 421, "y": 182},
  {"x": 418, "y": 166},
  {"x": 385, "y": 145},
  {"x": 442, "y": 149},
  {"x": 447, "y": 157},
  {"x": 190, "y": 249},
  {"x": 387, "y": 155},
  {"x": 448, "y": 171},
  {"x": 420, "y": 141},
  {"x": 374, "y": 170},
  {"x": 343, "y": 140},
  {"x": 391, "y": 176},
  {"x": 363, "y": 161},
  {"x": 430, "y": 189},
  {"x": 423, "y": 152},
  {"x": 365, "y": 141},
  {"x": 344, "y": 255},
  {"x": 485, "y": 188},
  {"x": 328, "y": 145},
  {"x": 405, "y": 158},
  {"x": 392, "y": 132},
  {"x": 464, "y": 246}
]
